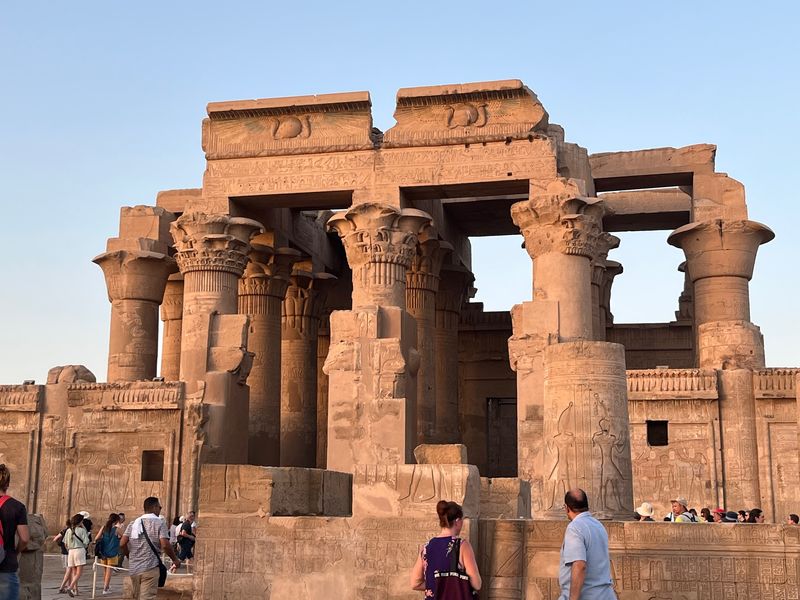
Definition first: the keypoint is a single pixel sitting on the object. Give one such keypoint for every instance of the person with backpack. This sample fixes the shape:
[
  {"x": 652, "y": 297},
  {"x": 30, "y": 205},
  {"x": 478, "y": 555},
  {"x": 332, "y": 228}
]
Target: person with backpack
[
  {"x": 680, "y": 513},
  {"x": 106, "y": 549},
  {"x": 59, "y": 539},
  {"x": 14, "y": 537},
  {"x": 76, "y": 539}
]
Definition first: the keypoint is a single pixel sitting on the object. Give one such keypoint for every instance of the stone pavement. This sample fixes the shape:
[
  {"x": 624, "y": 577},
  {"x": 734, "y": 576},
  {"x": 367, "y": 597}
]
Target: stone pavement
[{"x": 53, "y": 572}]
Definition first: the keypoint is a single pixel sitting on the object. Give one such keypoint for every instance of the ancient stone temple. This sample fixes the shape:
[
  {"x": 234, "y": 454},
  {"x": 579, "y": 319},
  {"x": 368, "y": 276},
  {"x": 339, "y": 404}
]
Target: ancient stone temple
[{"x": 325, "y": 378}]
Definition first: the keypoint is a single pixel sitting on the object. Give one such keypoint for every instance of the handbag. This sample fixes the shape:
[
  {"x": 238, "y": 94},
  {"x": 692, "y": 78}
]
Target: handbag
[
  {"x": 162, "y": 568},
  {"x": 454, "y": 584}
]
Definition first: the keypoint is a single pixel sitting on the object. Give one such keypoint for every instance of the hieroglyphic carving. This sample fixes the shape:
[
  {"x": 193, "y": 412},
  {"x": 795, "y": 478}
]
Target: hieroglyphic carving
[
  {"x": 672, "y": 383},
  {"x": 300, "y": 125},
  {"x": 775, "y": 383},
  {"x": 138, "y": 395},
  {"x": 17, "y": 398},
  {"x": 495, "y": 110}
]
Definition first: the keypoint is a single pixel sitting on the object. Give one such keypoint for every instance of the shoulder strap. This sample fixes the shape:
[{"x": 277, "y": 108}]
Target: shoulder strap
[
  {"x": 3, "y": 499},
  {"x": 149, "y": 543},
  {"x": 455, "y": 555}
]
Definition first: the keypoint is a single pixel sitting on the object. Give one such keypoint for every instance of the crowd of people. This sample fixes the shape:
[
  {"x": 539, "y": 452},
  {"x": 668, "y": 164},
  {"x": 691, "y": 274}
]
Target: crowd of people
[
  {"x": 682, "y": 514},
  {"x": 76, "y": 539}
]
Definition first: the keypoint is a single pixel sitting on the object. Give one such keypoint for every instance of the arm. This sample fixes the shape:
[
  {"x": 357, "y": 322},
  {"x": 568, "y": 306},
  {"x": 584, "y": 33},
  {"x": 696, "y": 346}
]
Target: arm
[
  {"x": 577, "y": 577},
  {"x": 24, "y": 535},
  {"x": 166, "y": 547},
  {"x": 123, "y": 545},
  {"x": 418, "y": 574},
  {"x": 98, "y": 536},
  {"x": 470, "y": 565}
]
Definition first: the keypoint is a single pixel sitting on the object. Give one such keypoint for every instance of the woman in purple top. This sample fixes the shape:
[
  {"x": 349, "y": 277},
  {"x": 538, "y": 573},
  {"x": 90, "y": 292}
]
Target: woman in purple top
[{"x": 435, "y": 555}]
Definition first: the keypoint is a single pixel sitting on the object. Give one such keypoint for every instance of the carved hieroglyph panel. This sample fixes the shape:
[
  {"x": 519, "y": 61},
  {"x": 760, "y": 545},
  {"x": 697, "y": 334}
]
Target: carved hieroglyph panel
[
  {"x": 785, "y": 470},
  {"x": 686, "y": 467},
  {"x": 104, "y": 472},
  {"x": 15, "y": 453}
]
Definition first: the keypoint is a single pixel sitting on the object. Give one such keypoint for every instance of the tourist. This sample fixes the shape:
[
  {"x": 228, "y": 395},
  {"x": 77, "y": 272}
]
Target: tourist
[
  {"x": 793, "y": 519},
  {"x": 731, "y": 517},
  {"x": 645, "y": 512},
  {"x": 705, "y": 515},
  {"x": 59, "y": 539},
  {"x": 680, "y": 514},
  {"x": 15, "y": 537},
  {"x": 106, "y": 548},
  {"x": 755, "y": 516},
  {"x": 186, "y": 540},
  {"x": 173, "y": 533},
  {"x": 434, "y": 556},
  {"x": 742, "y": 516},
  {"x": 76, "y": 539},
  {"x": 585, "y": 566},
  {"x": 140, "y": 543},
  {"x": 121, "y": 526},
  {"x": 718, "y": 515}
]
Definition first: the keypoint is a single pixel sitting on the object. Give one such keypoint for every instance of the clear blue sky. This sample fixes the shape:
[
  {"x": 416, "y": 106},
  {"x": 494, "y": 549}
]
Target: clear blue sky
[{"x": 101, "y": 107}]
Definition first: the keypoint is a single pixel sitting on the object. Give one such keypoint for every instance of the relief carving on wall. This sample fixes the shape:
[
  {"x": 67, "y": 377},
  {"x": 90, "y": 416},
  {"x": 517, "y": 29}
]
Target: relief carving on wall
[{"x": 466, "y": 115}]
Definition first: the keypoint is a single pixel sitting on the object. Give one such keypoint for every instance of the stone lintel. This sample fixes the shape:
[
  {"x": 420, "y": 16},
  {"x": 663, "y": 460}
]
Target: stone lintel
[
  {"x": 464, "y": 113},
  {"x": 646, "y": 210},
  {"x": 178, "y": 201},
  {"x": 654, "y": 167},
  {"x": 296, "y": 125}
]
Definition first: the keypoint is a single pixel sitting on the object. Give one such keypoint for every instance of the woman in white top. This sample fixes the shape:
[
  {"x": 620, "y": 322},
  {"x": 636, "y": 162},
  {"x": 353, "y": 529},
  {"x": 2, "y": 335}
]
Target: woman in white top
[{"x": 76, "y": 539}]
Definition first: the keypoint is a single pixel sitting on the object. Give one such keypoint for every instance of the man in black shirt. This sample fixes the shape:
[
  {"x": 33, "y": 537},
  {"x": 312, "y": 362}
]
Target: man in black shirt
[{"x": 14, "y": 519}]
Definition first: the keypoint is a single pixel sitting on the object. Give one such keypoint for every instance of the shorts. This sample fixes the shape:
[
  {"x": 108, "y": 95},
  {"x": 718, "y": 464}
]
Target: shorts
[
  {"x": 110, "y": 561},
  {"x": 76, "y": 557},
  {"x": 185, "y": 552}
]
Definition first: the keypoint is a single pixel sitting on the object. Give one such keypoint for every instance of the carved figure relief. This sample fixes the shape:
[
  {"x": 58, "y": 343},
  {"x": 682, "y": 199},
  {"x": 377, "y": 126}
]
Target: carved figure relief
[
  {"x": 563, "y": 446},
  {"x": 284, "y": 128},
  {"x": 466, "y": 115},
  {"x": 610, "y": 474}
]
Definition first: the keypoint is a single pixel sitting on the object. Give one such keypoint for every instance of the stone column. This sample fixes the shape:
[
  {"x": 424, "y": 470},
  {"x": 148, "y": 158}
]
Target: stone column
[
  {"x": 261, "y": 294},
  {"x": 613, "y": 268},
  {"x": 212, "y": 254},
  {"x": 571, "y": 392},
  {"x": 720, "y": 256},
  {"x": 172, "y": 316},
  {"x": 135, "y": 282},
  {"x": 302, "y": 308},
  {"x": 452, "y": 293},
  {"x": 605, "y": 243},
  {"x": 422, "y": 281},
  {"x": 372, "y": 362},
  {"x": 323, "y": 345}
]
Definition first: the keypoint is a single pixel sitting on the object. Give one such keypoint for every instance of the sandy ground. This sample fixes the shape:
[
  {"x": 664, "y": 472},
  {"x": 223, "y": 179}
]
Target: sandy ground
[{"x": 54, "y": 572}]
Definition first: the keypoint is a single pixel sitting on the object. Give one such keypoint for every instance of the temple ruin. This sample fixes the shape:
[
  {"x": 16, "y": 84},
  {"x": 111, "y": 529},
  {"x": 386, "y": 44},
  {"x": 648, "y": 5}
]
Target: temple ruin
[{"x": 324, "y": 377}]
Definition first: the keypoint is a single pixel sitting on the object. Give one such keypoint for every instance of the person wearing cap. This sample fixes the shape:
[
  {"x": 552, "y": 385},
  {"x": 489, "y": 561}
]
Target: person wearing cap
[
  {"x": 718, "y": 514},
  {"x": 731, "y": 517},
  {"x": 645, "y": 511},
  {"x": 680, "y": 513}
]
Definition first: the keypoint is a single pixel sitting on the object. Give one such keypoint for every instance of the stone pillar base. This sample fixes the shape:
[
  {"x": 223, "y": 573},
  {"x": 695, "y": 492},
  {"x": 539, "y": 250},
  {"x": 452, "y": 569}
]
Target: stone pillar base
[
  {"x": 586, "y": 442},
  {"x": 371, "y": 366}
]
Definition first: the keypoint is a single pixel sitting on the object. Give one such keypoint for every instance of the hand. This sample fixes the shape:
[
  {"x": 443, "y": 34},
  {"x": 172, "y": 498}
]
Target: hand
[{"x": 176, "y": 565}]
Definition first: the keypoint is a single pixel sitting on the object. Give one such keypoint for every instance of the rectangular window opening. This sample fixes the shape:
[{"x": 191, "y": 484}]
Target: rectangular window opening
[
  {"x": 152, "y": 465},
  {"x": 657, "y": 433}
]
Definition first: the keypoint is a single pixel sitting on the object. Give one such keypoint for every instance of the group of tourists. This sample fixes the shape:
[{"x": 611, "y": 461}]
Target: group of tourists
[
  {"x": 446, "y": 567},
  {"x": 680, "y": 513}
]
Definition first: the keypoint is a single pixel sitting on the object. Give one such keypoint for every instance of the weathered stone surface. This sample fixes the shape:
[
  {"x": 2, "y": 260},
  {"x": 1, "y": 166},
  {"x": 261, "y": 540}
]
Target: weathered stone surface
[
  {"x": 70, "y": 374},
  {"x": 505, "y": 498},
  {"x": 441, "y": 454},
  {"x": 31, "y": 561}
]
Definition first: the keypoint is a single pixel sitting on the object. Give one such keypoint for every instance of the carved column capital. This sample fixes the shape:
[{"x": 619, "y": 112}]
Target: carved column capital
[
  {"x": 380, "y": 242},
  {"x": 423, "y": 272},
  {"x": 560, "y": 222},
  {"x": 719, "y": 248},
  {"x": 135, "y": 274},
  {"x": 213, "y": 242},
  {"x": 305, "y": 301},
  {"x": 263, "y": 285},
  {"x": 605, "y": 243},
  {"x": 454, "y": 283}
]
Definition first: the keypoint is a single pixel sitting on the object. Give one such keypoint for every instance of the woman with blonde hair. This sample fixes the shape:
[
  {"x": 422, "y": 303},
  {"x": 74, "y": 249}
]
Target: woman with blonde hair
[{"x": 436, "y": 558}]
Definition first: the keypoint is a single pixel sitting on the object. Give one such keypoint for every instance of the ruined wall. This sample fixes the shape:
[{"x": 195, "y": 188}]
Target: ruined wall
[
  {"x": 650, "y": 345},
  {"x": 487, "y": 391}
]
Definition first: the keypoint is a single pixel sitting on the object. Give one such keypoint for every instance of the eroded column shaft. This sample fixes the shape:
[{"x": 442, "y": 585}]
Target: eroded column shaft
[{"x": 172, "y": 317}]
